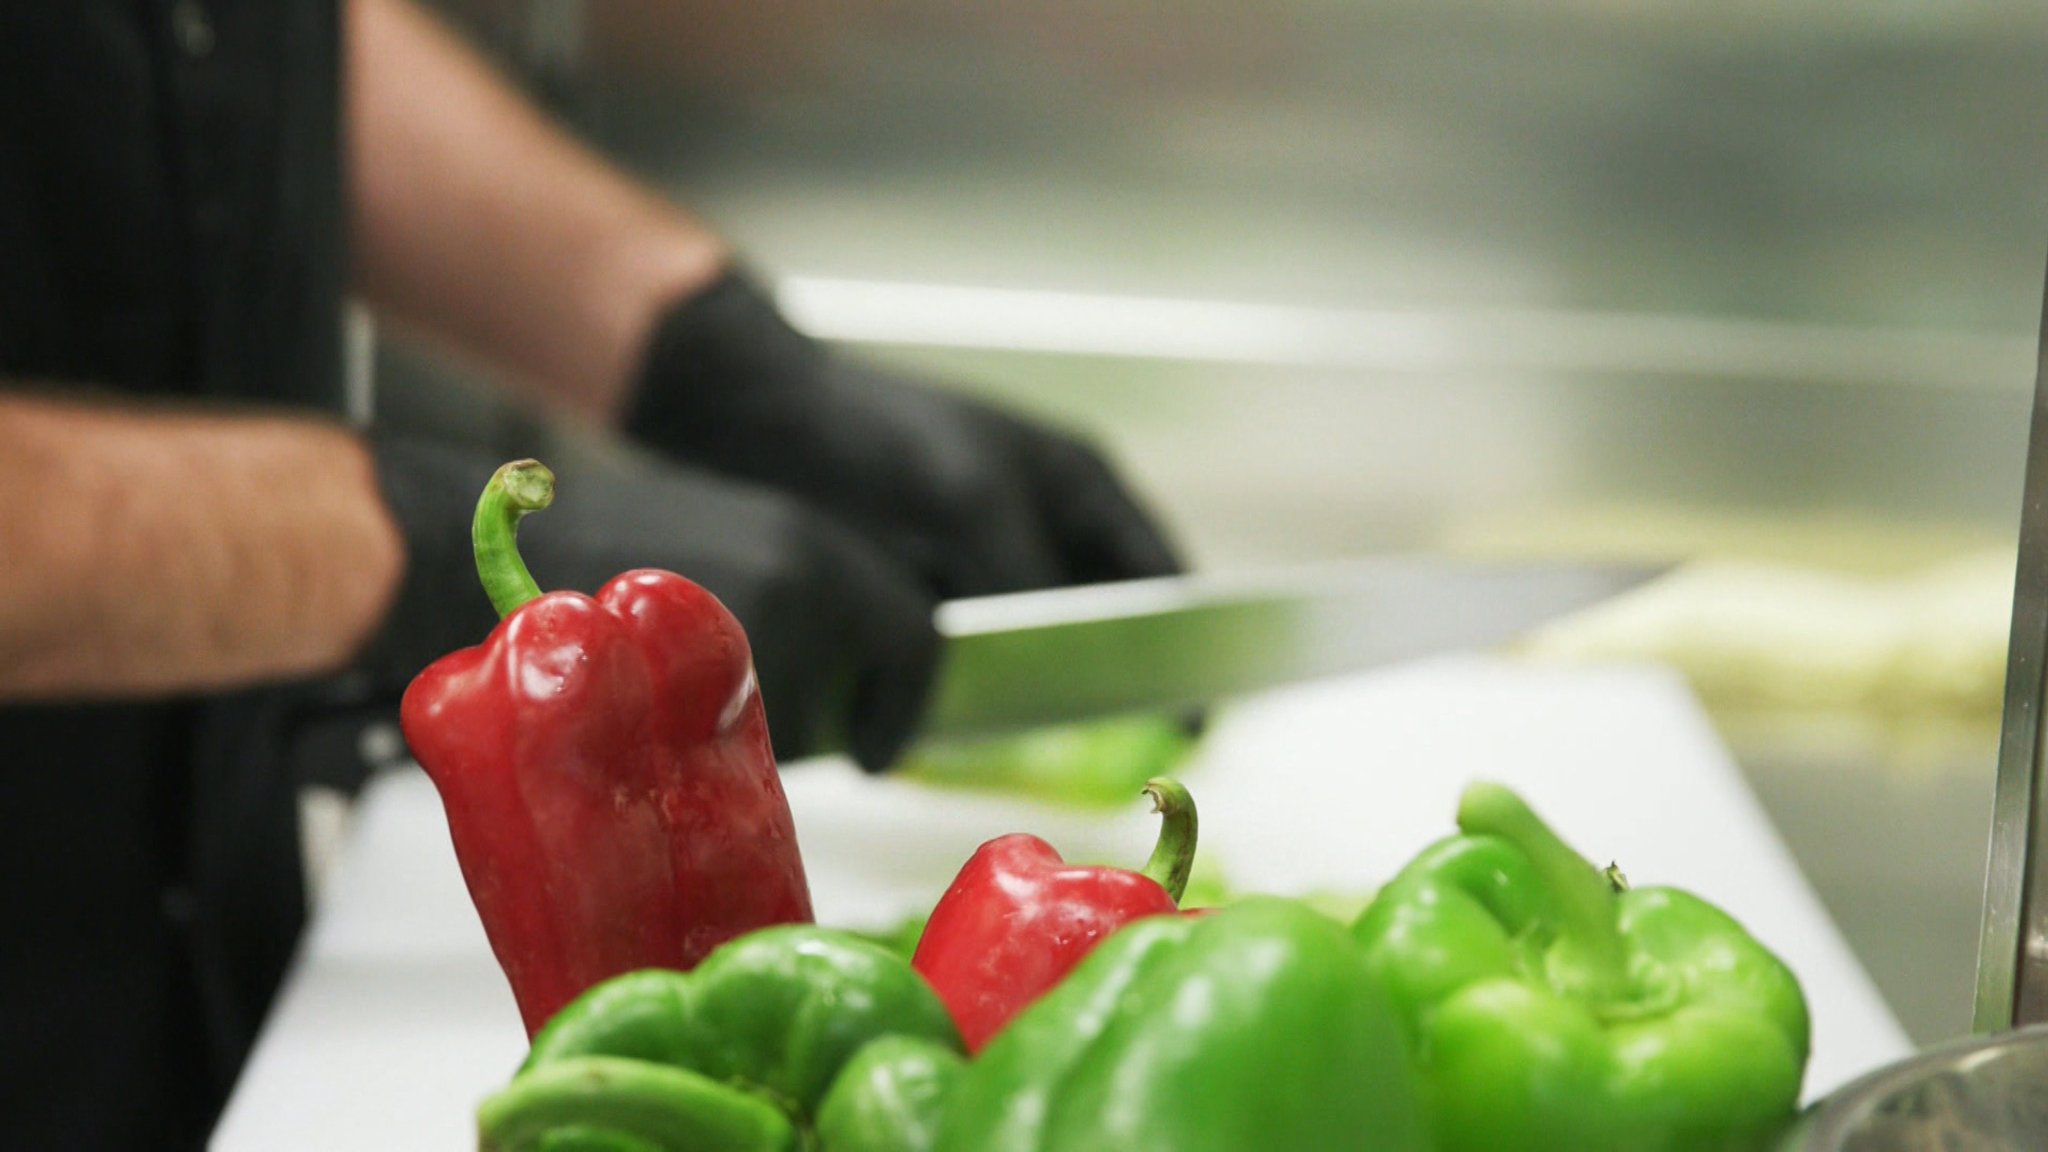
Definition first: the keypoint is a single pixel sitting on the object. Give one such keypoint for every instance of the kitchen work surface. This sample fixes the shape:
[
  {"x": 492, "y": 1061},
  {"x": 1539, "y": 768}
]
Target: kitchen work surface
[{"x": 396, "y": 1021}]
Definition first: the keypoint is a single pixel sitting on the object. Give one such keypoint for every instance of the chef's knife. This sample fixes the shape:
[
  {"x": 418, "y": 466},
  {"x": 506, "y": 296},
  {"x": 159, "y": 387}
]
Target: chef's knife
[{"x": 1175, "y": 643}]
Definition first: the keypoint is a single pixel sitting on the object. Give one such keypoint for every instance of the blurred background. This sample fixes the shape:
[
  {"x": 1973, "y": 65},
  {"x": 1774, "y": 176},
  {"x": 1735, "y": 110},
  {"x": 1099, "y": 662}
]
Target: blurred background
[{"x": 1753, "y": 285}]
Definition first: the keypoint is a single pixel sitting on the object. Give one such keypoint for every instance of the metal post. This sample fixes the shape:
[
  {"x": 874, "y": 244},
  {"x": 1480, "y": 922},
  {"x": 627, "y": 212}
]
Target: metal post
[{"x": 2012, "y": 961}]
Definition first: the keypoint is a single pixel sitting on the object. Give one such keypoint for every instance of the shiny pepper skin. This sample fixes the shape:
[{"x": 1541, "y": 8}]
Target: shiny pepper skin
[{"x": 605, "y": 769}]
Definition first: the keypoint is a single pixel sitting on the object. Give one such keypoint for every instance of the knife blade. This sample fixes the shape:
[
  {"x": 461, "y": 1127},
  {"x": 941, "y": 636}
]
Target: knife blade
[{"x": 1175, "y": 643}]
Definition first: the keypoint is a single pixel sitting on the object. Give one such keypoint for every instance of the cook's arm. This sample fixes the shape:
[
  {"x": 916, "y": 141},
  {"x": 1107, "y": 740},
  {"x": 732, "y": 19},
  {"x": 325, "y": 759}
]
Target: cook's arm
[
  {"x": 152, "y": 552},
  {"x": 479, "y": 222}
]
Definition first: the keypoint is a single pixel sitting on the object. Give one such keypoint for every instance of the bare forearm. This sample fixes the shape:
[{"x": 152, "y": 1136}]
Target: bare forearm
[
  {"x": 152, "y": 552},
  {"x": 482, "y": 223}
]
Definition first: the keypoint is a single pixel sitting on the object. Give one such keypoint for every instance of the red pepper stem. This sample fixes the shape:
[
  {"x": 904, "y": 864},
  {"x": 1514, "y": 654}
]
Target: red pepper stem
[
  {"x": 1173, "y": 857},
  {"x": 1589, "y": 959},
  {"x": 515, "y": 489}
]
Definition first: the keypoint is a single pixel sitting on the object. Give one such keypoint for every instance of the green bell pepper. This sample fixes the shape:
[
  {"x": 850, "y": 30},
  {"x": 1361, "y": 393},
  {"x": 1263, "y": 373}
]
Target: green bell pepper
[
  {"x": 890, "y": 1097},
  {"x": 613, "y": 1104},
  {"x": 736, "y": 1054},
  {"x": 1251, "y": 1028},
  {"x": 1546, "y": 1006}
]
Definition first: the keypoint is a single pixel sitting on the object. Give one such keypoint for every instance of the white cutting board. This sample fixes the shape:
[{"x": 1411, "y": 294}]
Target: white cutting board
[{"x": 395, "y": 1020}]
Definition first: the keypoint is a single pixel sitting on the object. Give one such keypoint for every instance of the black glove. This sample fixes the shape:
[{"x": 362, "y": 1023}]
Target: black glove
[
  {"x": 842, "y": 634},
  {"x": 975, "y": 499}
]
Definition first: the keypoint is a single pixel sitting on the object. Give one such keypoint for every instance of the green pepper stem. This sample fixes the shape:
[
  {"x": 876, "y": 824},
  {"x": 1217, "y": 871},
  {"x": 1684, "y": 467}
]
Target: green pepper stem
[
  {"x": 517, "y": 488},
  {"x": 1594, "y": 961},
  {"x": 1173, "y": 857}
]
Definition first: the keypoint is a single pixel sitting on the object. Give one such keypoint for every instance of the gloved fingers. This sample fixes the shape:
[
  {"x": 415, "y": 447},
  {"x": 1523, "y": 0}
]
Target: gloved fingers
[
  {"x": 891, "y": 642},
  {"x": 934, "y": 478},
  {"x": 794, "y": 716},
  {"x": 998, "y": 543},
  {"x": 1096, "y": 523},
  {"x": 843, "y": 642},
  {"x": 978, "y": 501},
  {"x": 892, "y": 685}
]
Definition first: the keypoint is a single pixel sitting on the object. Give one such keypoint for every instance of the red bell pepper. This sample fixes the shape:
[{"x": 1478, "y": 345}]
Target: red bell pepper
[
  {"x": 1018, "y": 918},
  {"x": 605, "y": 768}
]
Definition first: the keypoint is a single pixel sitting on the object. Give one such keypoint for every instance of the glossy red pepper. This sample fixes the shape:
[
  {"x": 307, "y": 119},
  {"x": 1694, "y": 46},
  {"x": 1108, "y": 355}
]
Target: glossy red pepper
[
  {"x": 605, "y": 768},
  {"x": 1018, "y": 918}
]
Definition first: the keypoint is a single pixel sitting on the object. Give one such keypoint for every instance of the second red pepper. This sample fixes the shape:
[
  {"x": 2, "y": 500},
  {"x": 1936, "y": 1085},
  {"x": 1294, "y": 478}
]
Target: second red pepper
[
  {"x": 1018, "y": 918},
  {"x": 605, "y": 768}
]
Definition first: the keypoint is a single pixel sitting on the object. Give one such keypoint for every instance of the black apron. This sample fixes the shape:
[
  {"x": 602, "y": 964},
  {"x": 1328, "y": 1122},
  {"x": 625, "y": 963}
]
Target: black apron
[{"x": 170, "y": 225}]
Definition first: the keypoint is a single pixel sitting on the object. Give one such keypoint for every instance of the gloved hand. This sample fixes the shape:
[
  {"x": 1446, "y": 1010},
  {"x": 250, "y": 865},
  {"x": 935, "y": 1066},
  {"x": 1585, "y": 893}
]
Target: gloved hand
[
  {"x": 976, "y": 500},
  {"x": 842, "y": 633}
]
